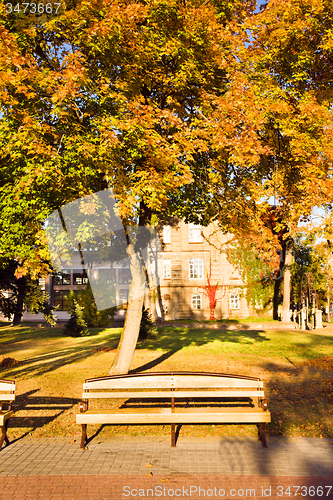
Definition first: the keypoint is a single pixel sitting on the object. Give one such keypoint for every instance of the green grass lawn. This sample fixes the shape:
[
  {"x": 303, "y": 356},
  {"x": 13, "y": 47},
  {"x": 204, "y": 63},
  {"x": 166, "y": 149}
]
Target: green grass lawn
[{"x": 296, "y": 367}]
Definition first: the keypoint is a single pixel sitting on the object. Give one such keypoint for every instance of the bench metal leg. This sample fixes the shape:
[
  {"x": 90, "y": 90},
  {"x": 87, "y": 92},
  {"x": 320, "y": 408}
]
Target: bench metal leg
[
  {"x": 262, "y": 435},
  {"x": 4, "y": 433},
  {"x": 173, "y": 435},
  {"x": 84, "y": 436}
]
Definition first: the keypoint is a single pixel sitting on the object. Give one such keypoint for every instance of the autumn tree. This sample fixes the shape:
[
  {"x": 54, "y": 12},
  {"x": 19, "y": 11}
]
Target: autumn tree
[
  {"x": 110, "y": 95},
  {"x": 21, "y": 292},
  {"x": 258, "y": 276},
  {"x": 309, "y": 258},
  {"x": 284, "y": 158}
]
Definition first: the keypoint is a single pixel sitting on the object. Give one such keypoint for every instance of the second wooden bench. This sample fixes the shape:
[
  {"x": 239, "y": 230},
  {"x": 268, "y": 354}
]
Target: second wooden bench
[{"x": 7, "y": 395}]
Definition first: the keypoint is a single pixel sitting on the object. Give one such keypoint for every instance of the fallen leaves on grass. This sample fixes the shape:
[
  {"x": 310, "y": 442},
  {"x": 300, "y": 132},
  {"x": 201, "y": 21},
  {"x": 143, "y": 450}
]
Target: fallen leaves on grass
[
  {"x": 8, "y": 361},
  {"x": 325, "y": 363},
  {"x": 327, "y": 391},
  {"x": 105, "y": 349}
]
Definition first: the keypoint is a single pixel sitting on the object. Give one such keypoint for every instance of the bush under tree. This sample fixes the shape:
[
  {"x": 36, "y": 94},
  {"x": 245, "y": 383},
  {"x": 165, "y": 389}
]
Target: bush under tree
[
  {"x": 147, "y": 326},
  {"x": 76, "y": 325},
  {"x": 84, "y": 313}
]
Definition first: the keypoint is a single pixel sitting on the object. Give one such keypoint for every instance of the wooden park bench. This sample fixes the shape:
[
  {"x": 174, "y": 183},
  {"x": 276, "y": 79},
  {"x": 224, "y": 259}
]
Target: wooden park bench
[
  {"x": 7, "y": 395},
  {"x": 202, "y": 398}
]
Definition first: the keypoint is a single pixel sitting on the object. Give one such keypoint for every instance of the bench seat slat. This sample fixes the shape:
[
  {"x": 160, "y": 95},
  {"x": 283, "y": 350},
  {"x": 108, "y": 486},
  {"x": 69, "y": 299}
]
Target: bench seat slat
[
  {"x": 7, "y": 397},
  {"x": 176, "y": 394},
  {"x": 7, "y": 385},
  {"x": 177, "y": 415}
]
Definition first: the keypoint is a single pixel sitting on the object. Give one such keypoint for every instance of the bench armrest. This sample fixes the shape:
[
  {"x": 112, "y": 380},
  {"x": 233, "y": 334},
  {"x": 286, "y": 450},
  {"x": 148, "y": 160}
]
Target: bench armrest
[
  {"x": 263, "y": 403},
  {"x": 5, "y": 403},
  {"x": 83, "y": 406}
]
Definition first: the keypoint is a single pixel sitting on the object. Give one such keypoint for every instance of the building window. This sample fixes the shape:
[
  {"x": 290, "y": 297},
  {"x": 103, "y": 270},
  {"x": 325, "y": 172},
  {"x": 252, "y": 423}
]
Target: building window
[
  {"x": 194, "y": 233},
  {"x": 167, "y": 269},
  {"x": 234, "y": 301},
  {"x": 60, "y": 299},
  {"x": 62, "y": 277},
  {"x": 80, "y": 277},
  {"x": 109, "y": 275},
  {"x": 122, "y": 297},
  {"x": 196, "y": 302},
  {"x": 166, "y": 234},
  {"x": 124, "y": 276},
  {"x": 41, "y": 283},
  {"x": 196, "y": 268}
]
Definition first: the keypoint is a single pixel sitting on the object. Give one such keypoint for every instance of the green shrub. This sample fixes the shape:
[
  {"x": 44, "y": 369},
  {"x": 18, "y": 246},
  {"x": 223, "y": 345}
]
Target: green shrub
[
  {"x": 83, "y": 306},
  {"x": 76, "y": 325},
  {"x": 147, "y": 326},
  {"x": 92, "y": 316}
]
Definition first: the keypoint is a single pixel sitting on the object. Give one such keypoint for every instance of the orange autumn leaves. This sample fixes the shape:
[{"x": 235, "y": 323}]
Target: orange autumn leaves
[{"x": 131, "y": 94}]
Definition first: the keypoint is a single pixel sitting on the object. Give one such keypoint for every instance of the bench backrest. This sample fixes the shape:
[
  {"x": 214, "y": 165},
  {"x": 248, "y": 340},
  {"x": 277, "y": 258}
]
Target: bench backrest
[
  {"x": 7, "y": 390},
  {"x": 176, "y": 384}
]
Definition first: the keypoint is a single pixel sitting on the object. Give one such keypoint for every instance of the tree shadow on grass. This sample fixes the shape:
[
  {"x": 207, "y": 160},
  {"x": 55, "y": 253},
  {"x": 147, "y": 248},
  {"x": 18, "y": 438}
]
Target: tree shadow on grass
[
  {"x": 155, "y": 362},
  {"x": 176, "y": 339},
  {"x": 170, "y": 340},
  {"x": 300, "y": 399},
  {"x": 28, "y": 401},
  {"x": 48, "y": 362}
]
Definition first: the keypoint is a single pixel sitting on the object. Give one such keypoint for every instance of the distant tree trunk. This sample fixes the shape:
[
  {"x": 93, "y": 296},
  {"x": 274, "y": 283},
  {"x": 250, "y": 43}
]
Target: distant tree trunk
[
  {"x": 160, "y": 303},
  {"x": 277, "y": 285},
  {"x": 19, "y": 309},
  {"x": 155, "y": 297},
  {"x": 328, "y": 305},
  {"x": 130, "y": 334},
  {"x": 286, "y": 282}
]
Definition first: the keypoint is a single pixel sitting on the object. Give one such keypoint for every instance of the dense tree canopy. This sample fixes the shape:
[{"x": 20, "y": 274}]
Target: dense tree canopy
[
  {"x": 109, "y": 94},
  {"x": 286, "y": 90}
]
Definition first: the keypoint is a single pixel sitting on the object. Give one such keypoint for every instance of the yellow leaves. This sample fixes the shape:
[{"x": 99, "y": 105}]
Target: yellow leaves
[
  {"x": 18, "y": 61},
  {"x": 20, "y": 272},
  {"x": 87, "y": 207}
]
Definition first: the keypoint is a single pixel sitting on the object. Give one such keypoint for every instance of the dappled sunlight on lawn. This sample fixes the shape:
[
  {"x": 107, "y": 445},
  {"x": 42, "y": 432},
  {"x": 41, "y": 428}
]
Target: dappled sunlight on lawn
[
  {"x": 51, "y": 369},
  {"x": 44, "y": 354}
]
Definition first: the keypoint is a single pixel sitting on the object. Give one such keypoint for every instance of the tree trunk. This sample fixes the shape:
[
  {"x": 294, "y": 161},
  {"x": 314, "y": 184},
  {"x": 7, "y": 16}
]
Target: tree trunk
[
  {"x": 286, "y": 282},
  {"x": 328, "y": 305},
  {"x": 19, "y": 309},
  {"x": 17, "y": 318},
  {"x": 130, "y": 334},
  {"x": 160, "y": 303},
  {"x": 277, "y": 284},
  {"x": 155, "y": 297}
]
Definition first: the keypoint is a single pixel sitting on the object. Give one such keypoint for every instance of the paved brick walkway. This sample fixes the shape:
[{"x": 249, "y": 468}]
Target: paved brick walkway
[
  {"x": 164, "y": 487},
  {"x": 142, "y": 468}
]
